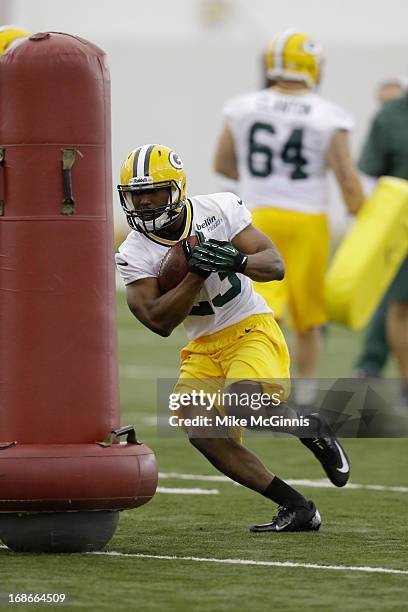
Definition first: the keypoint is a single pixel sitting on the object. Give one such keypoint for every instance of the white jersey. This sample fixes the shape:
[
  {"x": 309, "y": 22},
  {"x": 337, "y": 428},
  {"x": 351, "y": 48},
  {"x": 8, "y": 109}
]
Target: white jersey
[
  {"x": 281, "y": 142},
  {"x": 223, "y": 299}
]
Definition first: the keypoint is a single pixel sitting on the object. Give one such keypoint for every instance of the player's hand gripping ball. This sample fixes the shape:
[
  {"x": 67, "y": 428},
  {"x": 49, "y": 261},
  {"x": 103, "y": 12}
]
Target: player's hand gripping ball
[{"x": 174, "y": 265}]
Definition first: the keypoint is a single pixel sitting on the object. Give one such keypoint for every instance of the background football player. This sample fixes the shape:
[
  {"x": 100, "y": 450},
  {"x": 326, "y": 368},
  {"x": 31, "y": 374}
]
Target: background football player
[
  {"x": 10, "y": 35},
  {"x": 232, "y": 333},
  {"x": 385, "y": 153},
  {"x": 279, "y": 143}
]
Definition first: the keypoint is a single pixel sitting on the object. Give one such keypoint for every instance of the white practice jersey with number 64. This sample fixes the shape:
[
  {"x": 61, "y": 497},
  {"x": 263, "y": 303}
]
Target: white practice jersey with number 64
[
  {"x": 224, "y": 299},
  {"x": 281, "y": 142}
]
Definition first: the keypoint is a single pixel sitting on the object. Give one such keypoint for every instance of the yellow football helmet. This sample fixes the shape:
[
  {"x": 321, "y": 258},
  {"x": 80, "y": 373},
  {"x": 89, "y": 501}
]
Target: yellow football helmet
[
  {"x": 294, "y": 56},
  {"x": 10, "y": 33},
  {"x": 150, "y": 167}
]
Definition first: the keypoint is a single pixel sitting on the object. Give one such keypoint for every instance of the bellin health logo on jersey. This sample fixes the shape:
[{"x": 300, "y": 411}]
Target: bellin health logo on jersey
[{"x": 205, "y": 223}]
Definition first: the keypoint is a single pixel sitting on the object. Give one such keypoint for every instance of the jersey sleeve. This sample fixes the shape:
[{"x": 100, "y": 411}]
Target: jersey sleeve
[
  {"x": 236, "y": 215},
  {"x": 341, "y": 119},
  {"x": 373, "y": 160},
  {"x": 235, "y": 108},
  {"x": 132, "y": 265},
  {"x": 229, "y": 109}
]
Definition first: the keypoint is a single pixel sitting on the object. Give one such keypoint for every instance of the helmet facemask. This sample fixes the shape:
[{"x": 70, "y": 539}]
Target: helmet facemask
[{"x": 151, "y": 219}]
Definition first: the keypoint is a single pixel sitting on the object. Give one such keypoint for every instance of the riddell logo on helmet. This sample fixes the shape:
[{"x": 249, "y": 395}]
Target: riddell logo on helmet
[
  {"x": 205, "y": 223},
  {"x": 141, "y": 180}
]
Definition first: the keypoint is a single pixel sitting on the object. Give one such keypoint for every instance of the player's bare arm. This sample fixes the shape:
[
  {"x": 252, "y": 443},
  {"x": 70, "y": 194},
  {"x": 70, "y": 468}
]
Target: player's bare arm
[
  {"x": 225, "y": 161},
  {"x": 162, "y": 313},
  {"x": 340, "y": 161},
  {"x": 264, "y": 260}
]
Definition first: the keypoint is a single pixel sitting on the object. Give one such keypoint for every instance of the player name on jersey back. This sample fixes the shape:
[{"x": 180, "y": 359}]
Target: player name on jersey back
[{"x": 292, "y": 106}]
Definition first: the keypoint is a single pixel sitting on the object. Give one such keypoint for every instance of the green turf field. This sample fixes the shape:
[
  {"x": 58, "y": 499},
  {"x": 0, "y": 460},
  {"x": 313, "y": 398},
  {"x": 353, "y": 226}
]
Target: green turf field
[{"x": 361, "y": 527}]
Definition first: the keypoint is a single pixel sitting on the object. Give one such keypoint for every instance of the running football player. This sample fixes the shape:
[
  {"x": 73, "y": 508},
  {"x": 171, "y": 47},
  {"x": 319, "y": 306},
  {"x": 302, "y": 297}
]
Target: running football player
[
  {"x": 231, "y": 330},
  {"x": 277, "y": 144}
]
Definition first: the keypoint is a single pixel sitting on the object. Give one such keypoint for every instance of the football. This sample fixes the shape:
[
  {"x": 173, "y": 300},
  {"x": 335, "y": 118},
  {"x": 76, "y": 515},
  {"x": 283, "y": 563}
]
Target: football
[{"x": 173, "y": 267}]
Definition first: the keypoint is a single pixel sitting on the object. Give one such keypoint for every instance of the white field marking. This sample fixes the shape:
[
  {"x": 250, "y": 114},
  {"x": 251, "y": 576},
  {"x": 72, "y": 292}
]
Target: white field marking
[
  {"x": 215, "y": 478},
  {"x": 148, "y": 373},
  {"x": 181, "y": 491},
  {"x": 286, "y": 564},
  {"x": 326, "y": 484},
  {"x": 322, "y": 483}
]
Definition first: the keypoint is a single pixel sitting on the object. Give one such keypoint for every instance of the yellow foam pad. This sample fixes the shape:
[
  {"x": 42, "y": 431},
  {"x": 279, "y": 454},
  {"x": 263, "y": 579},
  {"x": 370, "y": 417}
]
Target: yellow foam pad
[{"x": 369, "y": 256}]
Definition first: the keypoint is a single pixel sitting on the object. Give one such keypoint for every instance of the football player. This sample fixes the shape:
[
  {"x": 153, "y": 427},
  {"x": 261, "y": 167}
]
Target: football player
[
  {"x": 391, "y": 89},
  {"x": 10, "y": 35},
  {"x": 231, "y": 330},
  {"x": 277, "y": 145}
]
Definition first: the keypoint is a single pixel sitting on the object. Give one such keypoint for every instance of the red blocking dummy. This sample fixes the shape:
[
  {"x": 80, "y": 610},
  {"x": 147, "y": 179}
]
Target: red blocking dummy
[{"x": 58, "y": 356}]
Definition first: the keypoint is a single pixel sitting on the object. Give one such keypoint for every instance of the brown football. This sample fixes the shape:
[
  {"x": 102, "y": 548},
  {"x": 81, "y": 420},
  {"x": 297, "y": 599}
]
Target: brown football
[{"x": 173, "y": 267}]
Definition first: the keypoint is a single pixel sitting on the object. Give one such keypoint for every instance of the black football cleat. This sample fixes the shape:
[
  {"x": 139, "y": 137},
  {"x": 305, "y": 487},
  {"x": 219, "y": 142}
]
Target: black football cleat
[
  {"x": 328, "y": 450},
  {"x": 296, "y": 519}
]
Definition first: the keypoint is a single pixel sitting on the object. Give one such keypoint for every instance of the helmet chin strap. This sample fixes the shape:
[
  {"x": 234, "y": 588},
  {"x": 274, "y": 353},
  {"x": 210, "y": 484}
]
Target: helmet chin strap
[{"x": 153, "y": 225}]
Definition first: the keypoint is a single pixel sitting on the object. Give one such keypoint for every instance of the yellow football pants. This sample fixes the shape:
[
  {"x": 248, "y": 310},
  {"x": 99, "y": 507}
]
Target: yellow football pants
[
  {"x": 253, "y": 349},
  {"x": 303, "y": 241}
]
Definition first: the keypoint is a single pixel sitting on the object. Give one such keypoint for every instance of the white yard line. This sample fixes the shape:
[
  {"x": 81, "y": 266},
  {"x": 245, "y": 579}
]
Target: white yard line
[
  {"x": 180, "y": 491},
  {"x": 285, "y": 564},
  {"x": 326, "y": 484},
  {"x": 314, "y": 484},
  {"x": 178, "y": 476}
]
